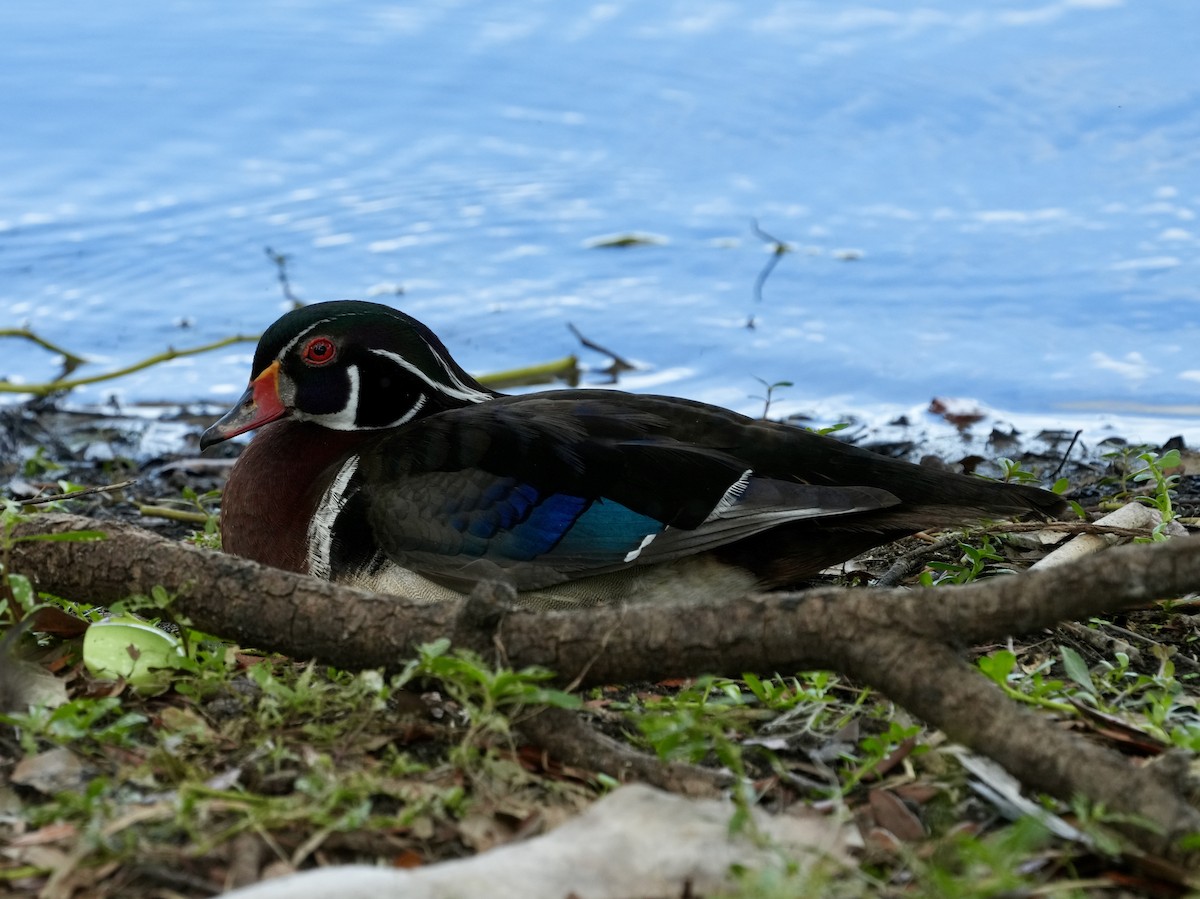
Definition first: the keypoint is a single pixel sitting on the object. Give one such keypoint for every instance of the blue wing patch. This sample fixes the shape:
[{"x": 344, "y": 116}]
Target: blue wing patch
[
  {"x": 608, "y": 531},
  {"x": 541, "y": 530},
  {"x": 513, "y": 521}
]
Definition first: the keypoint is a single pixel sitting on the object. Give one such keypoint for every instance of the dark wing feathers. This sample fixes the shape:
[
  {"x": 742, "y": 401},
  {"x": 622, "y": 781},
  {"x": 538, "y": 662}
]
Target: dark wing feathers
[
  {"x": 550, "y": 487},
  {"x": 564, "y": 490},
  {"x": 786, "y": 452},
  {"x": 591, "y": 450},
  {"x": 764, "y": 505}
]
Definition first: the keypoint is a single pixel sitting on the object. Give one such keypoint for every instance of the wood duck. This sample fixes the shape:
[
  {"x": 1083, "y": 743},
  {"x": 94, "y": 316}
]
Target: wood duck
[{"x": 380, "y": 463}]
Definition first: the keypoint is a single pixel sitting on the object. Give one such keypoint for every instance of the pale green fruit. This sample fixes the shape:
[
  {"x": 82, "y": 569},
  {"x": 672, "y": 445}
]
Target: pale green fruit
[{"x": 127, "y": 647}]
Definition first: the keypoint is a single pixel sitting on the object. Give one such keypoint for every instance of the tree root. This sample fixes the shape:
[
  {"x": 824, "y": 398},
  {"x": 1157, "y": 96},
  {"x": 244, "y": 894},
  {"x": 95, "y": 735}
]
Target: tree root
[{"x": 901, "y": 642}]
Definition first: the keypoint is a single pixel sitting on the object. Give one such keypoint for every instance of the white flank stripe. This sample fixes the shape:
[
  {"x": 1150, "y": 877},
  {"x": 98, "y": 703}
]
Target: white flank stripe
[
  {"x": 320, "y": 529},
  {"x": 731, "y": 496},
  {"x": 646, "y": 541}
]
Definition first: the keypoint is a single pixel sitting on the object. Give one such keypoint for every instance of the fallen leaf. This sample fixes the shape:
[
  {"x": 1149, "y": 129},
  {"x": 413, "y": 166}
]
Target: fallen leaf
[
  {"x": 890, "y": 812},
  {"x": 919, "y": 793},
  {"x": 44, "y": 858},
  {"x": 51, "y": 833},
  {"x": 958, "y": 412},
  {"x": 1130, "y": 737},
  {"x": 635, "y": 842},
  {"x": 54, "y": 621},
  {"x": 53, "y": 771},
  {"x": 883, "y": 841},
  {"x": 483, "y": 831},
  {"x": 409, "y": 858}
]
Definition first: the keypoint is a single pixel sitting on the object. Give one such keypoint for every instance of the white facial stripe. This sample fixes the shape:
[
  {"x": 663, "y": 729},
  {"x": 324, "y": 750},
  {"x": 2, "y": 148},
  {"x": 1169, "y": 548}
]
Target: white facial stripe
[
  {"x": 459, "y": 390},
  {"x": 342, "y": 419},
  {"x": 407, "y": 416},
  {"x": 320, "y": 529},
  {"x": 346, "y": 418},
  {"x": 350, "y": 410},
  {"x": 295, "y": 340}
]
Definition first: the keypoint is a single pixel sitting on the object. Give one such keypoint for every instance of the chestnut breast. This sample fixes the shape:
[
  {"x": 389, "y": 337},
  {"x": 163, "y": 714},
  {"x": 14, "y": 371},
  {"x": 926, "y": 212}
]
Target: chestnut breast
[{"x": 275, "y": 486}]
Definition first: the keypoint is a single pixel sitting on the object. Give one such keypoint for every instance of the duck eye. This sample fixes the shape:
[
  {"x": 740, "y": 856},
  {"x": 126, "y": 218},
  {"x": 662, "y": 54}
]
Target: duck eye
[{"x": 319, "y": 351}]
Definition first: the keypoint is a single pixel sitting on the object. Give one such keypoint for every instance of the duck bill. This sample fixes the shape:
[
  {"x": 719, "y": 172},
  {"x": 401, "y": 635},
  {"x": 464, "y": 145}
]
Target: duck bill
[{"x": 259, "y": 405}]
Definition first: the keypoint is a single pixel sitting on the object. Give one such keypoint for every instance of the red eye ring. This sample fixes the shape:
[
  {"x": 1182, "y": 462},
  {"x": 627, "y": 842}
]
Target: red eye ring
[{"x": 319, "y": 351}]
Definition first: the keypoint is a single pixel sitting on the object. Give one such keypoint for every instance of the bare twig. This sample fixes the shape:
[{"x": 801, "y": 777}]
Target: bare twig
[
  {"x": 184, "y": 515},
  {"x": 281, "y": 261},
  {"x": 71, "y": 361},
  {"x": 900, "y": 568},
  {"x": 1066, "y": 455},
  {"x": 61, "y": 385},
  {"x": 77, "y": 494},
  {"x": 569, "y": 739},
  {"x": 778, "y": 249},
  {"x": 564, "y": 369},
  {"x": 618, "y": 364},
  {"x": 1064, "y": 527}
]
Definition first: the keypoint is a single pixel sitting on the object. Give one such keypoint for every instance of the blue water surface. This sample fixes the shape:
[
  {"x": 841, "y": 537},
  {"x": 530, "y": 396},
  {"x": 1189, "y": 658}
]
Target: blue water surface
[{"x": 993, "y": 200}]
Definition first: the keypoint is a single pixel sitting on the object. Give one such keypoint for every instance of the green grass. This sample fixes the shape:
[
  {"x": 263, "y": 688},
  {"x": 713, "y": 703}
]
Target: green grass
[{"x": 321, "y": 766}]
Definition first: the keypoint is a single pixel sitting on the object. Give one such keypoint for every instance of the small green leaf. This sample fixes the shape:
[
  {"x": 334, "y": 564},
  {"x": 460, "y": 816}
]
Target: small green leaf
[
  {"x": 1077, "y": 668},
  {"x": 1190, "y": 842},
  {"x": 840, "y": 426},
  {"x": 998, "y": 666},
  {"x": 22, "y": 591}
]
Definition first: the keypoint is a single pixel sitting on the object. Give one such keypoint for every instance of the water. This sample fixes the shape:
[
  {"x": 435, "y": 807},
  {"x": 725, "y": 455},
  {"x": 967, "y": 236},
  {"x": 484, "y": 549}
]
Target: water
[{"x": 995, "y": 202}]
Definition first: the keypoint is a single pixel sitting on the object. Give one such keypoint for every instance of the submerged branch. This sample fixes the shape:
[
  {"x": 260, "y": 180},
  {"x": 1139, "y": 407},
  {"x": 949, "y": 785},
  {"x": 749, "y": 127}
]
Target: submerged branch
[
  {"x": 64, "y": 384},
  {"x": 25, "y": 334},
  {"x": 564, "y": 369}
]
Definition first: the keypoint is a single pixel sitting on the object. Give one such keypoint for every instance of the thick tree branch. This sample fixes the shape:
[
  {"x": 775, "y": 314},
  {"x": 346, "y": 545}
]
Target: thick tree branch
[
  {"x": 971, "y": 710},
  {"x": 901, "y": 642},
  {"x": 307, "y": 618}
]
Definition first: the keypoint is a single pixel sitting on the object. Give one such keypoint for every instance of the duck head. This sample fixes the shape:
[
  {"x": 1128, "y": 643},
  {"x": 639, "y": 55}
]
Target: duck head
[{"x": 347, "y": 366}]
